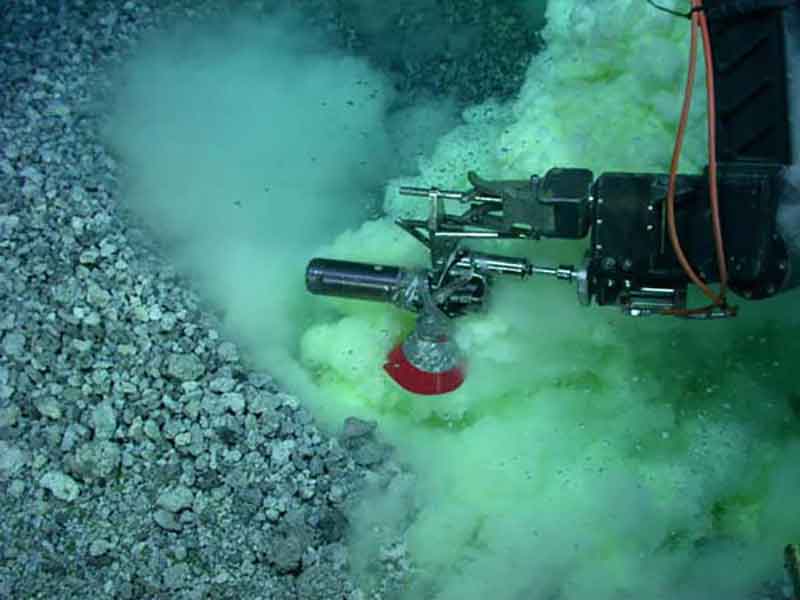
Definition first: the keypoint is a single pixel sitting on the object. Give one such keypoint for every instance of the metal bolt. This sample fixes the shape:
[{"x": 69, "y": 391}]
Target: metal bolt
[
  {"x": 599, "y": 200},
  {"x": 598, "y": 246},
  {"x": 599, "y": 221},
  {"x": 782, "y": 265},
  {"x": 627, "y": 264},
  {"x": 609, "y": 263},
  {"x": 650, "y": 207},
  {"x": 651, "y": 227}
]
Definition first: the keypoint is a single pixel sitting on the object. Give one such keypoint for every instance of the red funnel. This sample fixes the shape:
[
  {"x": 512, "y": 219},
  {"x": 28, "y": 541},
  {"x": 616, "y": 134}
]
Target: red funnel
[{"x": 428, "y": 361}]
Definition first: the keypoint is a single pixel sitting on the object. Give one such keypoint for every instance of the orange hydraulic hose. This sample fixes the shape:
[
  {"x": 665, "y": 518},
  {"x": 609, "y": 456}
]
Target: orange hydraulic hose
[
  {"x": 712, "y": 150},
  {"x": 699, "y": 21}
]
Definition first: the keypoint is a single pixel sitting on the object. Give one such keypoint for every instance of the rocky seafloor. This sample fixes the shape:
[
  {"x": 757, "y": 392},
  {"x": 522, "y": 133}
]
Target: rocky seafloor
[{"x": 141, "y": 454}]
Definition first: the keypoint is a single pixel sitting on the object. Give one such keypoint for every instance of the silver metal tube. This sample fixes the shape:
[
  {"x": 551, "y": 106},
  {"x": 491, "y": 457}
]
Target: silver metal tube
[
  {"x": 444, "y": 194},
  {"x": 561, "y": 272},
  {"x": 467, "y": 234},
  {"x": 493, "y": 264},
  {"x": 430, "y": 193},
  {"x": 552, "y": 271}
]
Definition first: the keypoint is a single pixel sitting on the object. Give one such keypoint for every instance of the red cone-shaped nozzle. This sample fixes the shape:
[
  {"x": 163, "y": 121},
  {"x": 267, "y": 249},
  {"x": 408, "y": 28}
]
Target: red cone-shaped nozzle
[
  {"x": 428, "y": 362},
  {"x": 418, "y": 381}
]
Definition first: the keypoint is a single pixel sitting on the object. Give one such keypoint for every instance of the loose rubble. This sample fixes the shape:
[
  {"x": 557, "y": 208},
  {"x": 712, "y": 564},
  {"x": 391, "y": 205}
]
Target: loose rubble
[{"x": 140, "y": 456}]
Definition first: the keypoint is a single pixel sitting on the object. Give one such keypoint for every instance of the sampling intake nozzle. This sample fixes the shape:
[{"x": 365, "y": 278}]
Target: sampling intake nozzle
[{"x": 427, "y": 362}]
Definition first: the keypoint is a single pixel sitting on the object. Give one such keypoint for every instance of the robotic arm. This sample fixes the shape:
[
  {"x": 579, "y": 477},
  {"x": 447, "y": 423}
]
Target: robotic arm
[{"x": 631, "y": 220}]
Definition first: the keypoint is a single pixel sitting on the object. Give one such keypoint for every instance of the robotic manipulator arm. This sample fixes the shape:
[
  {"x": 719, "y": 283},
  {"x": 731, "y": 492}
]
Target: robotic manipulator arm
[
  {"x": 629, "y": 263},
  {"x": 631, "y": 259}
]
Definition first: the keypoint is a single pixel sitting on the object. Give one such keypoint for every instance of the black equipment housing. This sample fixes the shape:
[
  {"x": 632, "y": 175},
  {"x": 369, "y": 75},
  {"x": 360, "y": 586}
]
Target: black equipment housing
[
  {"x": 755, "y": 59},
  {"x": 630, "y": 245},
  {"x": 631, "y": 261}
]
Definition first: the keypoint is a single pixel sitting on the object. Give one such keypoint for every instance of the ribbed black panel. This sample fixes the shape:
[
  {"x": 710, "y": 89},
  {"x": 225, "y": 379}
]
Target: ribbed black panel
[{"x": 751, "y": 82}]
